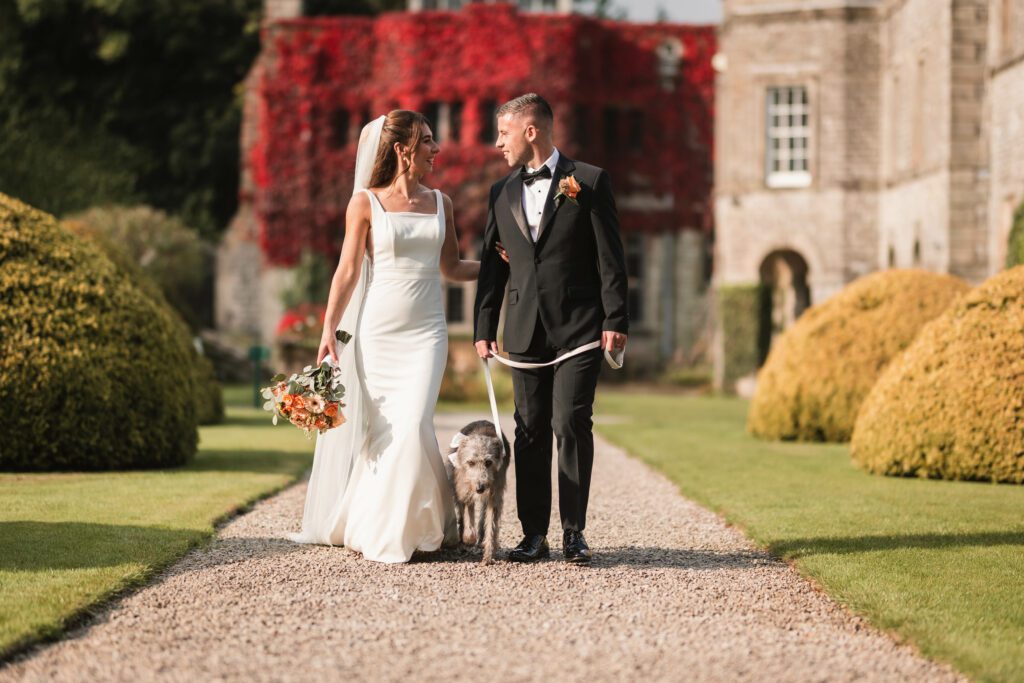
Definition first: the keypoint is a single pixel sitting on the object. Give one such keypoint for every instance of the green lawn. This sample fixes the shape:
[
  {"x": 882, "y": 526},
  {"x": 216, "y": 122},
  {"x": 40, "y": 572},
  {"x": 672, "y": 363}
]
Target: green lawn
[
  {"x": 938, "y": 563},
  {"x": 70, "y": 541}
]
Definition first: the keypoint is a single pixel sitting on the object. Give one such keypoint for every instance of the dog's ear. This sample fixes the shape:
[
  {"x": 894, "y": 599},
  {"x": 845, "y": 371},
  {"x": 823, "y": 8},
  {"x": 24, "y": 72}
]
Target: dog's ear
[
  {"x": 453, "y": 458},
  {"x": 456, "y": 440}
]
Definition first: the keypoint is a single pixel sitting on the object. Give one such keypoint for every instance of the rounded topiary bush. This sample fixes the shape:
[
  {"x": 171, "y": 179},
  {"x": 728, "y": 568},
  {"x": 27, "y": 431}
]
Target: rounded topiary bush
[
  {"x": 91, "y": 374},
  {"x": 952, "y": 405},
  {"x": 207, "y": 391},
  {"x": 819, "y": 371}
]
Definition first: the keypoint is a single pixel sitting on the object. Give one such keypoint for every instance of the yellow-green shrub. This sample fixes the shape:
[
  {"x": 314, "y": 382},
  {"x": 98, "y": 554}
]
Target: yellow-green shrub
[
  {"x": 91, "y": 375},
  {"x": 952, "y": 405},
  {"x": 819, "y": 371}
]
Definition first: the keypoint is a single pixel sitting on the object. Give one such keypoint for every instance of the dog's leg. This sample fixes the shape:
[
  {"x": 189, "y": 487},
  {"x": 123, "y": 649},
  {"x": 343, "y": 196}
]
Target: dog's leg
[
  {"x": 479, "y": 507},
  {"x": 490, "y": 533},
  {"x": 469, "y": 525},
  {"x": 459, "y": 518}
]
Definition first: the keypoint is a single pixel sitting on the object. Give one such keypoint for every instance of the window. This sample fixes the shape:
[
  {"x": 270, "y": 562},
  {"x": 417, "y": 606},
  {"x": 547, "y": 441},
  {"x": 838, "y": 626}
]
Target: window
[
  {"x": 488, "y": 130},
  {"x": 433, "y": 113},
  {"x": 455, "y": 122},
  {"x": 635, "y": 276},
  {"x": 339, "y": 124},
  {"x": 538, "y": 5},
  {"x": 636, "y": 130},
  {"x": 582, "y": 125},
  {"x": 788, "y": 131},
  {"x": 611, "y": 129}
]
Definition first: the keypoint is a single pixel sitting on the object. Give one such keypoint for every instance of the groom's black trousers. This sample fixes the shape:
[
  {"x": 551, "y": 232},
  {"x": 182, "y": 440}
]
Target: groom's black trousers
[{"x": 556, "y": 400}]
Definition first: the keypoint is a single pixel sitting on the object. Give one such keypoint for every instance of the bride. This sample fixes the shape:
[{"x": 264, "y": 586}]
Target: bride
[{"x": 378, "y": 484}]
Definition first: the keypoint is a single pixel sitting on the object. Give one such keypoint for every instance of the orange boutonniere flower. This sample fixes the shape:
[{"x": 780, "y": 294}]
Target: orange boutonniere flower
[{"x": 568, "y": 187}]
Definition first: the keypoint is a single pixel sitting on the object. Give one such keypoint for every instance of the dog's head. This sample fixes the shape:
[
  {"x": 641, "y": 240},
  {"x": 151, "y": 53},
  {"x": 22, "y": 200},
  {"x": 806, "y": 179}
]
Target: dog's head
[{"x": 478, "y": 459}]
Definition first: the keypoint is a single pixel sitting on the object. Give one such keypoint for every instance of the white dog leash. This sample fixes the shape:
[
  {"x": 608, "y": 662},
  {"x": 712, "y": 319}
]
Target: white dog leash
[{"x": 614, "y": 360}]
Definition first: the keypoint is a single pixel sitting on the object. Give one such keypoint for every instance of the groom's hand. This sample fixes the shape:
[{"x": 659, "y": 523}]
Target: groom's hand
[
  {"x": 613, "y": 341},
  {"x": 486, "y": 349}
]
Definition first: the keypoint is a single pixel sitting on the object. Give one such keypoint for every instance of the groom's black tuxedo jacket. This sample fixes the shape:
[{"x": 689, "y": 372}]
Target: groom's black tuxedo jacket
[{"x": 573, "y": 278}]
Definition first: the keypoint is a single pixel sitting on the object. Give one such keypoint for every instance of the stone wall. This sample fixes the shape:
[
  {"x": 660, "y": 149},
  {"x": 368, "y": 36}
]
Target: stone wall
[{"x": 832, "y": 50}]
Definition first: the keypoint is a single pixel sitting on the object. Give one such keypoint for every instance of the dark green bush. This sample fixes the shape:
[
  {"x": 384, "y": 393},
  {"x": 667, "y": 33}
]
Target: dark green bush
[
  {"x": 92, "y": 376},
  {"x": 738, "y": 314},
  {"x": 819, "y": 370},
  {"x": 1015, "y": 248},
  {"x": 952, "y": 405},
  {"x": 207, "y": 391}
]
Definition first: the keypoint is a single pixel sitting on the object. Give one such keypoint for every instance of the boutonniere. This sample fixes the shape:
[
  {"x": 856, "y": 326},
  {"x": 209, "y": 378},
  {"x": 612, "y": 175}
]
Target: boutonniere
[{"x": 568, "y": 187}]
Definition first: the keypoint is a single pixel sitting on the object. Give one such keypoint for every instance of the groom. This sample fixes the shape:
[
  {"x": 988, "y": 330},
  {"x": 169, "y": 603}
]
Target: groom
[{"x": 566, "y": 273}]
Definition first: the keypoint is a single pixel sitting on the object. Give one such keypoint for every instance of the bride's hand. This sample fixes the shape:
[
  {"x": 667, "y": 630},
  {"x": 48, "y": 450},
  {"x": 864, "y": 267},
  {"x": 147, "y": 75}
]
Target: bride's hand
[
  {"x": 328, "y": 347},
  {"x": 501, "y": 251}
]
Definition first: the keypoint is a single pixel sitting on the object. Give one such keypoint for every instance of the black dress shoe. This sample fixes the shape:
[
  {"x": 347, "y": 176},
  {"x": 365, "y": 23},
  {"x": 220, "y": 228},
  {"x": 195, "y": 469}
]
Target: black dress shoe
[
  {"x": 575, "y": 548},
  {"x": 533, "y": 547}
]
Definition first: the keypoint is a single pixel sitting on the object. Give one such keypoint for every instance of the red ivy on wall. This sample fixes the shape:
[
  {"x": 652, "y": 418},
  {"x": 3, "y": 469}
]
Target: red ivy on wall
[{"x": 320, "y": 79}]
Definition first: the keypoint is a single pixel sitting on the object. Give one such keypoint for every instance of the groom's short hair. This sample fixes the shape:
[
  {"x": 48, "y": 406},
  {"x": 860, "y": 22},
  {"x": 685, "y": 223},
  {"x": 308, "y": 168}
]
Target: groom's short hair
[{"x": 530, "y": 104}]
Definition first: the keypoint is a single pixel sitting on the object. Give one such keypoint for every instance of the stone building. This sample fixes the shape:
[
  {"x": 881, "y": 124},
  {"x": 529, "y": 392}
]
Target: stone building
[
  {"x": 636, "y": 99},
  {"x": 856, "y": 135}
]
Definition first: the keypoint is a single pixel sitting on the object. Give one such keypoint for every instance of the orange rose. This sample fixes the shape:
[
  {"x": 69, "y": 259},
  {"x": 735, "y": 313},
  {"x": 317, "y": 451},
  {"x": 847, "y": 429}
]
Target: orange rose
[
  {"x": 572, "y": 188},
  {"x": 568, "y": 187},
  {"x": 331, "y": 409}
]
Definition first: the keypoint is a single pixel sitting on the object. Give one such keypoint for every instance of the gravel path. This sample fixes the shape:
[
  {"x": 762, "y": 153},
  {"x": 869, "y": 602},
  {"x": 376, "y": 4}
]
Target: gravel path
[{"x": 673, "y": 594}]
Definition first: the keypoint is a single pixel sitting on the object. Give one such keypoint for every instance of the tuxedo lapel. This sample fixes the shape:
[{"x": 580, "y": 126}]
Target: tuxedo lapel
[
  {"x": 563, "y": 168},
  {"x": 514, "y": 197}
]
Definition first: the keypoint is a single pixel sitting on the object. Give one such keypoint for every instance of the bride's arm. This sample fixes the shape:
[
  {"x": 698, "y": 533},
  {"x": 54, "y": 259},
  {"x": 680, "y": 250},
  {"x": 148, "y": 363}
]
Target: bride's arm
[
  {"x": 452, "y": 267},
  {"x": 346, "y": 275}
]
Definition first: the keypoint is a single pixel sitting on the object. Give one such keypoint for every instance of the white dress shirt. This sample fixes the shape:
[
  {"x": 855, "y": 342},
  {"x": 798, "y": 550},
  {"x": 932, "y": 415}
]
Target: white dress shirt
[{"x": 536, "y": 195}]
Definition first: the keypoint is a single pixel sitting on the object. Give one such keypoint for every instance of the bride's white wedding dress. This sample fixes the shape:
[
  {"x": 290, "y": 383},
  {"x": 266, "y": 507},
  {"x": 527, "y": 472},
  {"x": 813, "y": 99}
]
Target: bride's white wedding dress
[{"x": 390, "y": 496}]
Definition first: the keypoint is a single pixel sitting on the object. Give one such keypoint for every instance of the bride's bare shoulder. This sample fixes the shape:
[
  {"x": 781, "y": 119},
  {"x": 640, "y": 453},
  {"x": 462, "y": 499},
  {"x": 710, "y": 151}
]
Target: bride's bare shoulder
[{"x": 359, "y": 205}]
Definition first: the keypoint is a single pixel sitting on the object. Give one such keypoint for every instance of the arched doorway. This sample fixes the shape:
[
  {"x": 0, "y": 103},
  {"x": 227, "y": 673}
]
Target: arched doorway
[{"x": 784, "y": 296}]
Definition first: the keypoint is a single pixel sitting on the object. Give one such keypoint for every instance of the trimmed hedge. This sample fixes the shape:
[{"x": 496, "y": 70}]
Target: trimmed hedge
[
  {"x": 1015, "y": 242},
  {"x": 952, "y": 405},
  {"x": 819, "y": 371},
  {"x": 207, "y": 392},
  {"x": 91, "y": 375},
  {"x": 739, "y": 308}
]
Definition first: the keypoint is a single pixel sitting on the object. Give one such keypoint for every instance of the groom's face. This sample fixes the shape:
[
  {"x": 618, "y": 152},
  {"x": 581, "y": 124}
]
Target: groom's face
[{"x": 515, "y": 133}]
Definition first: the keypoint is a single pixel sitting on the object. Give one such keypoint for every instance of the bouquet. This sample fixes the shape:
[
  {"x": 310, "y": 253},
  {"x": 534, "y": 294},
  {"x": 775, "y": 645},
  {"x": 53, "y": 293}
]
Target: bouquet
[{"x": 311, "y": 399}]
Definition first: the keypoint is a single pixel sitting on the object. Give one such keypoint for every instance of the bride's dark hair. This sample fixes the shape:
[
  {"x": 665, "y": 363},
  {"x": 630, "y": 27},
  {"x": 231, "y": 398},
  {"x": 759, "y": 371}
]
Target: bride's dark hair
[{"x": 401, "y": 126}]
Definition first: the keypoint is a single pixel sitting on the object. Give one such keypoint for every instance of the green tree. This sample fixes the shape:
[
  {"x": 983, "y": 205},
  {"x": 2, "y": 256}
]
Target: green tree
[{"x": 130, "y": 99}]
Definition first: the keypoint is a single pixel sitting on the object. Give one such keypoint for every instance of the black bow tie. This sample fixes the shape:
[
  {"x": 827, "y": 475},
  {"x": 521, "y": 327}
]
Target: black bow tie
[{"x": 528, "y": 177}]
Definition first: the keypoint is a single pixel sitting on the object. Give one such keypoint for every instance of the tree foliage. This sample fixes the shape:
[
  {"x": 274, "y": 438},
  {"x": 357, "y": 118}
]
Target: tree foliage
[{"x": 129, "y": 99}]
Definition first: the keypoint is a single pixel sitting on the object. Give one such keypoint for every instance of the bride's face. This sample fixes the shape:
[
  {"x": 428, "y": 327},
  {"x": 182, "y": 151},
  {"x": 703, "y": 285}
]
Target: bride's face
[{"x": 423, "y": 156}]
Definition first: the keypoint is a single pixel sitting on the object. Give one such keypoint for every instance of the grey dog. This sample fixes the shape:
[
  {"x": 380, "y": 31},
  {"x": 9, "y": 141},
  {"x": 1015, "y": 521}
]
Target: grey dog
[{"x": 477, "y": 467}]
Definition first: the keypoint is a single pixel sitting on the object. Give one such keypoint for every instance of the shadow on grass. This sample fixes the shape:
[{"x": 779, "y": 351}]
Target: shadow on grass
[
  {"x": 45, "y": 546},
  {"x": 803, "y": 547}
]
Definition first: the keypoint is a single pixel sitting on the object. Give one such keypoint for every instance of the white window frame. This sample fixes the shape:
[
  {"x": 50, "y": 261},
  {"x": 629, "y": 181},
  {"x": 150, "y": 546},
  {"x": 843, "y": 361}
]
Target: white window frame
[{"x": 788, "y": 121}]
